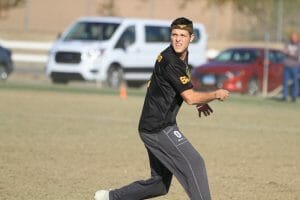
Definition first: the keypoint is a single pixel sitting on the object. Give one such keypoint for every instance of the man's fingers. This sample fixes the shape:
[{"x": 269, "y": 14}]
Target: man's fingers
[
  {"x": 205, "y": 110},
  {"x": 210, "y": 109},
  {"x": 207, "y": 113}
]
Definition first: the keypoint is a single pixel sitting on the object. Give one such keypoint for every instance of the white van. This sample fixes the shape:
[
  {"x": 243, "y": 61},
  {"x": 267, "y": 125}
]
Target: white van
[{"x": 110, "y": 50}]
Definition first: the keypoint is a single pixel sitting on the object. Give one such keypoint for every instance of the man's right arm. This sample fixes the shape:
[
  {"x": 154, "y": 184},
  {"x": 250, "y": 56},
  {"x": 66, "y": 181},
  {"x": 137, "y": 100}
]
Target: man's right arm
[{"x": 192, "y": 97}]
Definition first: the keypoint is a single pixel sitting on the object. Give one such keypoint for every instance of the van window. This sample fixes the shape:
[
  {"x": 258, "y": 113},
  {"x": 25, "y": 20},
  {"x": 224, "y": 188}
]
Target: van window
[
  {"x": 127, "y": 38},
  {"x": 91, "y": 31},
  {"x": 162, "y": 34},
  {"x": 157, "y": 34},
  {"x": 197, "y": 35}
]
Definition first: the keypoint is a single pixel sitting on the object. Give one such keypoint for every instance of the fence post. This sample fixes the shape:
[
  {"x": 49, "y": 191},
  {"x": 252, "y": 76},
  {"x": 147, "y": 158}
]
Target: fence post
[
  {"x": 279, "y": 20},
  {"x": 266, "y": 65},
  {"x": 26, "y": 15}
]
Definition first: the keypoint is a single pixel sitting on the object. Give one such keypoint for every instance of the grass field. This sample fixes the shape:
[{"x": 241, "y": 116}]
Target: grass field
[{"x": 64, "y": 143}]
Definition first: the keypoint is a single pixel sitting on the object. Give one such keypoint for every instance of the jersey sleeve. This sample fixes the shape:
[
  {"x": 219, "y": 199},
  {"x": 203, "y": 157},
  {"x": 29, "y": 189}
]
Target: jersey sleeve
[{"x": 178, "y": 77}]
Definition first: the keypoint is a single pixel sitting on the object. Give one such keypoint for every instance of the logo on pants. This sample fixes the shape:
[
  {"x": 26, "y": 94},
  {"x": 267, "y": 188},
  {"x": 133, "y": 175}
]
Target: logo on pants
[{"x": 177, "y": 137}]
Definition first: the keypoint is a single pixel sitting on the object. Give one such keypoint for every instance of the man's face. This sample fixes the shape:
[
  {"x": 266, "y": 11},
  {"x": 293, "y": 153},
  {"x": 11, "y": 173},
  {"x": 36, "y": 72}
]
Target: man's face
[{"x": 180, "y": 40}]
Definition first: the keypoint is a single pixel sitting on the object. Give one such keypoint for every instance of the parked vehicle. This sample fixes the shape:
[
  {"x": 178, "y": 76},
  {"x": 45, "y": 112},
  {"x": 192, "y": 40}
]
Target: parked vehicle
[
  {"x": 110, "y": 50},
  {"x": 240, "y": 70},
  {"x": 6, "y": 63}
]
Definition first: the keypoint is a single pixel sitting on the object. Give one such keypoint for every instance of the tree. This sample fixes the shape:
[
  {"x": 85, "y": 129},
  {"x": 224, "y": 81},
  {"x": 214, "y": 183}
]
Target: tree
[
  {"x": 270, "y": 14},
  {"x": 6, "y": 5},
  {"x": 263, "y": 16}
]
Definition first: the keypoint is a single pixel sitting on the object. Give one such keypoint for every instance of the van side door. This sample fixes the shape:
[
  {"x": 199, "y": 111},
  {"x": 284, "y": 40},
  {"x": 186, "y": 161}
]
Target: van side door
[{"x": 128, "y": 51}]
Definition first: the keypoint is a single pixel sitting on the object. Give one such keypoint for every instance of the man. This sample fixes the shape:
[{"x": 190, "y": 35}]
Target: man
[
  {"x": 169, "y": 151},
  {"x": 291, "y": 67}
]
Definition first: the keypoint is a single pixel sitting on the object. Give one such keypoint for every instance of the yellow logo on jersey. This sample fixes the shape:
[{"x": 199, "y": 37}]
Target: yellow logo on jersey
[
  {"x": 184, "y": 80},
  {"x": 148, "y": 83},
  {"x": 159, "y": 58},
  {"x": 188, "y": 72}
]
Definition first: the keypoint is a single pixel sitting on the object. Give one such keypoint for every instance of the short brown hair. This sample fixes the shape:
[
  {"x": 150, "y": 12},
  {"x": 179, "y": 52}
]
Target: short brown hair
[{"x": 183, "y": 23}]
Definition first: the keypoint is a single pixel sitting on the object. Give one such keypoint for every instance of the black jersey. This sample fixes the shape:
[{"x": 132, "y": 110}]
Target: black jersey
[{"x": 170, "y": 77}]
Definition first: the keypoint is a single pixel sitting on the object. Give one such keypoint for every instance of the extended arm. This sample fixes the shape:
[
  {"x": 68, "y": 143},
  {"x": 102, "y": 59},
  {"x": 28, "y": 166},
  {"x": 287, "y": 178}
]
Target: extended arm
[
  {"x": 192, "y": 97},
  {"x": 201, "y": 99}
]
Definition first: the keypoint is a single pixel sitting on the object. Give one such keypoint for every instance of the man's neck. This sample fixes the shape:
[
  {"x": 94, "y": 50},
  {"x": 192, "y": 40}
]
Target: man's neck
[{"x": 182, "y": 56}]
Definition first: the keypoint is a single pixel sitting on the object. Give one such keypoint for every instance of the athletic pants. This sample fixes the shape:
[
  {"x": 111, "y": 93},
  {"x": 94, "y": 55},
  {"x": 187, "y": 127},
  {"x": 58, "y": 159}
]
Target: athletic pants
[{"x": 169, "y": 153}]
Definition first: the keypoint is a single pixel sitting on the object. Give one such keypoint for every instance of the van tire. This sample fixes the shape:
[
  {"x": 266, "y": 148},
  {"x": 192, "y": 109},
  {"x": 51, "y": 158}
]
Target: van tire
[
  {"x": 253, "y": 86},
  {"x": 59, "y": 80},
  {"x": 114, "y": 76}
]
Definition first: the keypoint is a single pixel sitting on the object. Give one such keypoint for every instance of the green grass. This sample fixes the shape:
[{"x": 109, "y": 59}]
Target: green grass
[{"x": 66, "y": 142}]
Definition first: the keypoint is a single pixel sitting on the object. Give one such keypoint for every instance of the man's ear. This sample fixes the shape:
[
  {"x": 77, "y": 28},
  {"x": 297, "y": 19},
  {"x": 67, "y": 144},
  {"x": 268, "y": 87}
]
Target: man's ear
[{"x": 192, "y": 37}]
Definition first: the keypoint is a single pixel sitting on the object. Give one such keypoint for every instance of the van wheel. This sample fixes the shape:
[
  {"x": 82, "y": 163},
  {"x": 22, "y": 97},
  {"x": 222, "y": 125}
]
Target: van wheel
[
  {"x": 252, "y": 87},
  {"x": 114, "y": 76},
  {"x": 59, "y": 80},
  {"x": 3, "y": 73}
]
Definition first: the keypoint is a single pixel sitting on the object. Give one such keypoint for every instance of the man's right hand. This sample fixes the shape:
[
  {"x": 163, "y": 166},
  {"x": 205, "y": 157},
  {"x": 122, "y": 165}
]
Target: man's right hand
[{"x": 221, "y": 94}]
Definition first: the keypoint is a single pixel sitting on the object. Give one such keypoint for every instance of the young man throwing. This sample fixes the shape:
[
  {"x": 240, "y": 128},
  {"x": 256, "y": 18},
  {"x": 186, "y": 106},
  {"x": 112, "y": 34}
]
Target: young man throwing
[{"x": 170, "y": 153}]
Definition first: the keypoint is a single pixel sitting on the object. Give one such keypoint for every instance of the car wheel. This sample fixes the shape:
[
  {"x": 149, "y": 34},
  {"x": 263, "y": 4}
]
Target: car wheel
[
  {"x": 252, "y": 87},
  {"x": 3, "y": 73},
  {"x": 114, "y": 76}
]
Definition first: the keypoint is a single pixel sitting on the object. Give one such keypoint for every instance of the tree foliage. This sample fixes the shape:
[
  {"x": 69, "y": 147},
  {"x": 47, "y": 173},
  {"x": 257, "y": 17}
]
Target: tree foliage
[
  {"x": 256, "y": 8},
  {"x": 268, "y": 13},
  {"x": 263, "y": 15}
]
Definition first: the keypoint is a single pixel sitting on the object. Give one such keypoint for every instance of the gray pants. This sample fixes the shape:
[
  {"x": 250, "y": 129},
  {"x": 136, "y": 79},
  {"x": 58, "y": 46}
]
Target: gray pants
[{"x": 169, "y": 153}]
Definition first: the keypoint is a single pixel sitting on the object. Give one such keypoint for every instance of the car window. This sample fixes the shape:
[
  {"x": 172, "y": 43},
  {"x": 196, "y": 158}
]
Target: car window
[
  {"x": 241, "y": 56},
  {"x": 224, "y": 56},
  {"x": 237, "y": 55},
  {"x": 272, "y": 57},
  {"x": 91, "y": 31},
  {"x": 276, "y": 56},
  {"x": 127, "y": 38}
]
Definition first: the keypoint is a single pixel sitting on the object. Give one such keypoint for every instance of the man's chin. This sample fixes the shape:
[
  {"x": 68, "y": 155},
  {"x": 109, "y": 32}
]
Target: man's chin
[{"x": 178, "y": 51}]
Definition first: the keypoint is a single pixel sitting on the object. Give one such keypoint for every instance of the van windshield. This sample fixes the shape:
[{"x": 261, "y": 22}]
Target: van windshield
[{"x": 91, "y": 31}]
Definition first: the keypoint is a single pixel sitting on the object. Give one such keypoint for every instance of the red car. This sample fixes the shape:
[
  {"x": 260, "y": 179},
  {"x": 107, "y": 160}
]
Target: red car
[{"x": 240, "y": 70}]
